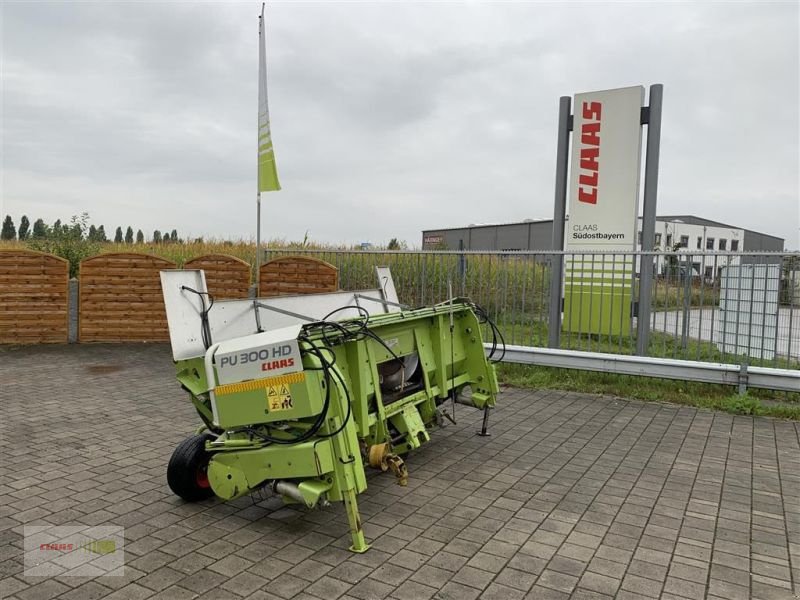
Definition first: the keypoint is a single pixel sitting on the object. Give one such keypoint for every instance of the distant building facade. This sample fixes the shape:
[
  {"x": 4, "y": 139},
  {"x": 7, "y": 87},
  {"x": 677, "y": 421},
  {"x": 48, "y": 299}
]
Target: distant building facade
[
  {"x": 526, "y": 235},
  {"x": 683, "y": 233}
]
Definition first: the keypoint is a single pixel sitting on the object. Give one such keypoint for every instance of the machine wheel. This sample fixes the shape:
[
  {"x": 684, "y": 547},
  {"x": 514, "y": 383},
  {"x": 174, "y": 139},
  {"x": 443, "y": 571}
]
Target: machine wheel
[{"x": 187, "y": 470}]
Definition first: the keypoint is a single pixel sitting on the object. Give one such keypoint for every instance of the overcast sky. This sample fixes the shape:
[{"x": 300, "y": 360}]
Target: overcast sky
[{"x": 387, "y": 119}]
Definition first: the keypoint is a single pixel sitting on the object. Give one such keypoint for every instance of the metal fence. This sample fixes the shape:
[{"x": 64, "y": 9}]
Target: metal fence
[{"x": 711, "y": 306}]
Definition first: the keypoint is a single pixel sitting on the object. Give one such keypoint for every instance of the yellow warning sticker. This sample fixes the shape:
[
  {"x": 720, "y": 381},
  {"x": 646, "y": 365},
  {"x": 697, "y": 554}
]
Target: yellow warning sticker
[
  {"x": 279, "y": 398},
  {"x": 258, "y": 384}
]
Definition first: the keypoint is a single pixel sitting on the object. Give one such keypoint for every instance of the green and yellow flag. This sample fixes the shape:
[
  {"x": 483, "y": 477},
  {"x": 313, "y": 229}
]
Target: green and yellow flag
[{"x": 267, "y": 170}]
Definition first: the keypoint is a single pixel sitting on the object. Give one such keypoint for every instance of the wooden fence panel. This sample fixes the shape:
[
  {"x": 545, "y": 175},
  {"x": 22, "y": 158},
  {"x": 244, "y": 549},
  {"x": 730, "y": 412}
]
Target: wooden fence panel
[
  {"x": 34, "y": 290},
  {"x": 121, "y": 300},
  {"x": 227, "y": 277},
  {"x": 289, "y": 275}
]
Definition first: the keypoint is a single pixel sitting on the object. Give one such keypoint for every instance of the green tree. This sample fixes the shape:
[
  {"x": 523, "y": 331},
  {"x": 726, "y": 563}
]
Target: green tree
[
  {"x": 68, "y": 241},
  {"x": 173, "y": 237},
  {"x": 129, "y": 235},
  {"x": 139, "y": 237},
  {"x": 101, "y": 234},
  {"x": 39, "y": 229},
  {"x": 9, "y": 232},
  {"x": 76, "y": 230},
  {"x": 395, "y": 244},
  {"x": 92, "y": 236},
  {"x": 57, "y": 226},
  {"x": 118, "y": 236},
  {"x": 156, "y": 237},
  {"x": 24, "y": 228}
]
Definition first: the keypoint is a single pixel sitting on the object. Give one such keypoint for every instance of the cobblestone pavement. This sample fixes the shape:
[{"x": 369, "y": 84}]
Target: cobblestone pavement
[{"x": 572, "y": 495}]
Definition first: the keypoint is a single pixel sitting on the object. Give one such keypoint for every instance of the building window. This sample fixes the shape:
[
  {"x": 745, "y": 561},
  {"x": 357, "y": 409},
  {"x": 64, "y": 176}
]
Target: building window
[
  {"x": 658, "y": 239},
  {"x": 640, "y": 238},
  {"x": 709, "y": 273},
  {"x": 684, "y": 241},
  {"x": 669, "y": 241},
  {"x": 699, "y": 242},
  {"x": 709, "y": 243},
  {"x": 734, "y": 245},
  {"x": 723, "y": 244}
]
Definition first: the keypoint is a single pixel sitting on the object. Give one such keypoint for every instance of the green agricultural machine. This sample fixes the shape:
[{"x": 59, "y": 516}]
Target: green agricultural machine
[{"x": 299, "y": 395}]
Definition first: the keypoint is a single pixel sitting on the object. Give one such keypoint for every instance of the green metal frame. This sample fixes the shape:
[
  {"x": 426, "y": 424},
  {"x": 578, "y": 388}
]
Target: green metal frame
[{"x": 333, "y": 468}]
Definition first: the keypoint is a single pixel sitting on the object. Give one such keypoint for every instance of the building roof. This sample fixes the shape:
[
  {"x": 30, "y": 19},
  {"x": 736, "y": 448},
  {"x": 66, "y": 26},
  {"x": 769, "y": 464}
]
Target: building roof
[
  {"x": 693, "y": 220},
  {"x": 479, "y": 225},
  {"x": 689, "y": 219}
]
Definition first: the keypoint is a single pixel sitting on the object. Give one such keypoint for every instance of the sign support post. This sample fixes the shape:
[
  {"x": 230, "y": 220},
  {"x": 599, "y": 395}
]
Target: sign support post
[
  {"x": 559, "y": 221},
  {"x": 652, "y": 118}
]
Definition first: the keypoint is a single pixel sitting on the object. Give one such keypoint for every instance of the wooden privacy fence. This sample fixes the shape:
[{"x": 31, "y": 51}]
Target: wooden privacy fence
[
  {"x": 33, "y": 297},
  {"x": 227, "y": 277},
  {"x": 119, "y": 294},
  {"x": 289, "y": 275},
  {"x": 121, "y": 300}
]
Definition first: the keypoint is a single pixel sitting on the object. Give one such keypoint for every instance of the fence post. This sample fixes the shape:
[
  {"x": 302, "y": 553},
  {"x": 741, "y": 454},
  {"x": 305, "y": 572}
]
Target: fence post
[
  {"x": 559, "y": 217},
  {"x": 462, "y": 268},
  {"x": 72, "y": 307},
  {"x": 687, "y": 290},
  {"x": 649, "y": 218},
  {"x": 742, "y": 388}
]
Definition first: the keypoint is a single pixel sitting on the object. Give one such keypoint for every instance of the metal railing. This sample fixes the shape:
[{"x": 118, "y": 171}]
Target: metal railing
[{"x": 720, "y": 307}]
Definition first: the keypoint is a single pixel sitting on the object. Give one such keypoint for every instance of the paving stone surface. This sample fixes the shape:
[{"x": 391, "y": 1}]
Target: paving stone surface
[{"x": 573, "y": 495}]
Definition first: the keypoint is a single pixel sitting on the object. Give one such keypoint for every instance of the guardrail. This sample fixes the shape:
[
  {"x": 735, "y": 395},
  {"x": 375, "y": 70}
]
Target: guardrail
[{"x": 742, "y": 376}]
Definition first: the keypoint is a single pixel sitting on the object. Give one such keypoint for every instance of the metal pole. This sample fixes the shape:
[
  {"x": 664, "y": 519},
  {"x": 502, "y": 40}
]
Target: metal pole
[
  {"x": 686, "y": 297},
  {"x": 485, "y": 423},
  {"x": 559, "y": 219},
  {"x": 649, "y": 218},
  {"x": 262, "y": 78},
  {"x": 462, "y": 268},
  {"x": 258, "y": 244}
]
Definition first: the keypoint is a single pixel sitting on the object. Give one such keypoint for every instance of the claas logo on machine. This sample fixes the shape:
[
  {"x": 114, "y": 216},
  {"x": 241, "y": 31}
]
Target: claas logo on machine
[{"x": 279, "y": 398}]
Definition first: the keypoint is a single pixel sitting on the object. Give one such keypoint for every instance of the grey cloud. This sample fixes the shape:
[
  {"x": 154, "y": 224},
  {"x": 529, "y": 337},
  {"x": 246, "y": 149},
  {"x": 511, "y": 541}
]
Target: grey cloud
[{"x": 387, "y": 118}]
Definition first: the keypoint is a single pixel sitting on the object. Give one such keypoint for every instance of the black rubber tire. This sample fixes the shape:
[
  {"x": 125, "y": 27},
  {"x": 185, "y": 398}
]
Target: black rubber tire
[{"x": 187, "y": 468}]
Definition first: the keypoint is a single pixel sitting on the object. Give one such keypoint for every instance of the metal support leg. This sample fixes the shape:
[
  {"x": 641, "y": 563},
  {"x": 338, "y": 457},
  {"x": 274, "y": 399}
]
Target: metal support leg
[
  {"x": 360, "y": 544},
  {"x": 483, "y": 432}
]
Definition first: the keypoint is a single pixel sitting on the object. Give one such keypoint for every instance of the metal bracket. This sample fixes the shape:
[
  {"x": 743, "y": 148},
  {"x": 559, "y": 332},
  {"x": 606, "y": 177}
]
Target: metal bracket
[
  {"x": 389, "y": 302},
  {"x": 259, "y": 329},
  {"x": 284, "y": 312}
]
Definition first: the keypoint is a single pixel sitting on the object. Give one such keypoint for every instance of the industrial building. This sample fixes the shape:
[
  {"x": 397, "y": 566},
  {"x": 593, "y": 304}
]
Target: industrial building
[
  {"x": 682, "y": 233},
  {"x": 686, "y": 231}
]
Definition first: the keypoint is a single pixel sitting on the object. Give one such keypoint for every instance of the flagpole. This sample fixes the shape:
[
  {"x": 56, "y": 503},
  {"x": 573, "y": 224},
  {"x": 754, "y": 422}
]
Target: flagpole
[
  {"x": 267, "y": 171},
  {"x": 258, "y": 178},
  {"x": 258, "y": 243}
]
